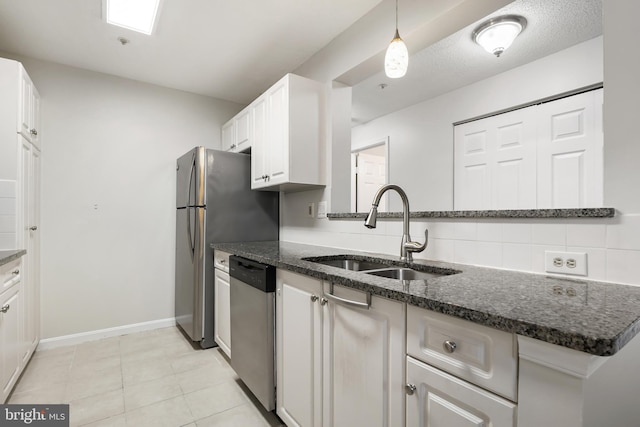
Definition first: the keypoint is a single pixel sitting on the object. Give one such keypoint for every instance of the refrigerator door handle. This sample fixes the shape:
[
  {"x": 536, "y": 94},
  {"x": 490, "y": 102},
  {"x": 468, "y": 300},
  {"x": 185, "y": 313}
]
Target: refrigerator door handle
[{"x": 191, "y": 171}]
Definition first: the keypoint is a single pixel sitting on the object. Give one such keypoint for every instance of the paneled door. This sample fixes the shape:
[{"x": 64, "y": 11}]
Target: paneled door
[{"x": 570, "y": 152}]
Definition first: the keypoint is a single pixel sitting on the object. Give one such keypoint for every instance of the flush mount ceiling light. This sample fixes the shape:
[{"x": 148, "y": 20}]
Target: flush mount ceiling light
[
  {"x": 136, "y": 15},
  {"x": 497, "y": 34},
  {"x": 396, "y": 60}
]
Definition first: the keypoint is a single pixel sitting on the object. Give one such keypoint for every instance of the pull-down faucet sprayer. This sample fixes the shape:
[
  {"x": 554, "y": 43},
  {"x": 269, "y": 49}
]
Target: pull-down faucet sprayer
[{"x": 407, "y": 246}]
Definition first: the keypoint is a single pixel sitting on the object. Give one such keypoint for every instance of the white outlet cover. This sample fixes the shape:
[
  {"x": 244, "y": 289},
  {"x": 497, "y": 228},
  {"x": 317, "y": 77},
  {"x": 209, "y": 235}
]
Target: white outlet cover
[
  {"x": 578, "y": 259},
  {"x": 322, "y": 209}
]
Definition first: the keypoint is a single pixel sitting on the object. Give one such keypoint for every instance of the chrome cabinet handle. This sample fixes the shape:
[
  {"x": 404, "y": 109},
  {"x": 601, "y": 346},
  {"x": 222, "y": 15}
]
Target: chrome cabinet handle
[
  {"x": 324, "y": 301},
  {"x": 410, "y": 389},
  {"x": 314, "y": 298},
  {"x": 5, "y": 308},
  {"x": 15, "y": 272},
  {"x": 33, "y": 228},
  {"x": 450, "y": 346},
  {"x": 33, "y": 132}
]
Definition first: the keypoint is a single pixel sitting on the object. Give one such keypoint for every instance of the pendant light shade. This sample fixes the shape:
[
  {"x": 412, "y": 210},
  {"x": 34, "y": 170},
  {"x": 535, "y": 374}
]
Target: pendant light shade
[
  {"x": 396, "y": 60},
  {"x": 496, "y": 35}
]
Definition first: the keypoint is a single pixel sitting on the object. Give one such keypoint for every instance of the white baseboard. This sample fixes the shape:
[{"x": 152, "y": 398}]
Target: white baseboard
[{"x": 74, "y": 339}]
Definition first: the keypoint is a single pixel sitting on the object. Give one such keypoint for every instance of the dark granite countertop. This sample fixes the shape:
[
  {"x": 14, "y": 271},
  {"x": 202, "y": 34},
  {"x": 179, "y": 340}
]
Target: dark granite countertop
[
  {"x": 514, "y": 213},
  {"x": 8, "y": 256},
  {"x": 593, "y": 317}
]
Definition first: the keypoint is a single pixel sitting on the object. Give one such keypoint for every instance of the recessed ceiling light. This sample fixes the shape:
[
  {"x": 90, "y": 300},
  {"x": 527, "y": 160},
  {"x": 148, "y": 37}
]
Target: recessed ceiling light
[{"x": 136, "y": 15}]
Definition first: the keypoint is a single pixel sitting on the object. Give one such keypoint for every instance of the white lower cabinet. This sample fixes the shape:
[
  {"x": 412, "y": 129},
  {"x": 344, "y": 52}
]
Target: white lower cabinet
[
  {"x": 222, "y": 312},
  {"x": 459, "y": 373},
  {"x": 299, "y": 349},
  {"x": 442, "y": 400},
  {"x": 222, "y": 302},
  {"x": 339, "y": 364},
  {"x": 11, "y": 339}
]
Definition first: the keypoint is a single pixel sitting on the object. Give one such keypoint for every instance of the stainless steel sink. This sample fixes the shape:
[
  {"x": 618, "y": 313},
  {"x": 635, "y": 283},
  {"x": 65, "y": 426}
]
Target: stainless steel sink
[
  {"x": 388, "y": 269},
  {"x": 406, "y": 274},
  {"x": 348, "y": 263}
]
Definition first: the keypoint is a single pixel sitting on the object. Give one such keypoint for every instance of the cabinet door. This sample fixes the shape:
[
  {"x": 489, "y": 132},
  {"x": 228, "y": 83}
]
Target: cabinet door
[
  {"x": 10, "y": 343},
  {"x": 440, "y": 399},
  {"x": 29, "y": 108},
  {"x": 29, "y": 238},
  {"x": 222, "y": 312},
  {"x": 299, "y": 349},
  {"x": 260, "y": 147},
  {"x": 242, "y": 134},
  {"x": 227, "y": 136},
  {"x": 278, "y": 133},
  {"x": 364, "y": 353}
]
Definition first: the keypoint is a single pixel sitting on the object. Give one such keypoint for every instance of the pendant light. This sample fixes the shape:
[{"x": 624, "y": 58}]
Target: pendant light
[{"x": 396, "y": 60}]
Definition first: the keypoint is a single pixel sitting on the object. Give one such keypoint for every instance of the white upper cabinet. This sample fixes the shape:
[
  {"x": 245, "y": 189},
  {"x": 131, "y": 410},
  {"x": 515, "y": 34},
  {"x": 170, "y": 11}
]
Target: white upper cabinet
[
  {"x": 227, "y": 136},
  {"x": 546, "y": 156},
  {"x": 242, "y": 131},
  {"x": 236, "y": 133},
  {"x": 29, "y": 108},
  {"x": 283, "y": 130},
  {"x": 287, "y": 128}
]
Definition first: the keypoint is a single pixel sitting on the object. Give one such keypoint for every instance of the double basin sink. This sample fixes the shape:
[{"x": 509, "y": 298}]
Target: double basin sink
[{"x": 382, "y": 268}]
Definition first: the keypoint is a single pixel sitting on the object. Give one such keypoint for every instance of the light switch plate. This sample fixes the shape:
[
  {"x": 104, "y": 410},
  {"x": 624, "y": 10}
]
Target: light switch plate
[
  {"x": 322, "y": 209},
  {"x": 566, "y": 262}
]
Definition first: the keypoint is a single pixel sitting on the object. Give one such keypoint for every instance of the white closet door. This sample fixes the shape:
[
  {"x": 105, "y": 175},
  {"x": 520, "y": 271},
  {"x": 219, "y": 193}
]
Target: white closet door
[
  {"x": 473, "y": 158},
  {"x": 570, "y": 158},
  {"x": 496, "y": 162}
]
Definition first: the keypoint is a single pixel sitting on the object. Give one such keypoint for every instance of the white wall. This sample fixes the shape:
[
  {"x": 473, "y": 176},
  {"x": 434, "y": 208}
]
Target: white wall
[
  {"x": 108, "y": 194},
  {"x": 612, "y": 245},
  {"x": 421, "y": 136}
]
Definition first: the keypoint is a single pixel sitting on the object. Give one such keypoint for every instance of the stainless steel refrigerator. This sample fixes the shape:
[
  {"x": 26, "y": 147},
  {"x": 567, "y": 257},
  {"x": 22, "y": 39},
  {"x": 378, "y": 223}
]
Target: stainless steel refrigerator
[{"x": 214, "y": 203}]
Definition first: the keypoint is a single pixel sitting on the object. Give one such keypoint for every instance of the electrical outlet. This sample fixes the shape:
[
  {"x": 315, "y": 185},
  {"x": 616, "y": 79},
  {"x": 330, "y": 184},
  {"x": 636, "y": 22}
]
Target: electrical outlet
[
  {"x": 322, "y": 209},
  {"x": 311, "y": 209},
  {"x": 566, "y": 262}
]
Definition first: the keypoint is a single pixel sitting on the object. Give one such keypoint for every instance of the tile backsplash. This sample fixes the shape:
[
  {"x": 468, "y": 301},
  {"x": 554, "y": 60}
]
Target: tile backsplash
[{"x": 612, "y": 244}]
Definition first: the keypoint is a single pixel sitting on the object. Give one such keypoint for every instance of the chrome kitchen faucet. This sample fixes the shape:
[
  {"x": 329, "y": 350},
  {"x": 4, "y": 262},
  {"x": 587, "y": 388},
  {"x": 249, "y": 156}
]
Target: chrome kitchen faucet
[{"x": 407, "y": 247}]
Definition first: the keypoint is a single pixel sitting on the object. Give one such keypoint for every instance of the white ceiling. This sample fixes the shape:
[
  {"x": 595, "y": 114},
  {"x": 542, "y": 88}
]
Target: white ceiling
[
  {"x": 228, "y": 49},
  {"x": 456, "y": 61},
  {"x": 236, "y": 49}
]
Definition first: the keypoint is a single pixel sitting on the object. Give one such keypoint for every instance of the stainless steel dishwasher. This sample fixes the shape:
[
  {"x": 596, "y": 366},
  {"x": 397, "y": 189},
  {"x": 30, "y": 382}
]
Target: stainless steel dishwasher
[{"x": 253, "y": 288}]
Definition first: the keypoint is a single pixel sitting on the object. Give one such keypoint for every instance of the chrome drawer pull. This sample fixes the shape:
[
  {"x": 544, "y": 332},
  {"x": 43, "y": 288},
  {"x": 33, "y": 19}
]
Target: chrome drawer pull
[
  {"x": 450, "y": 346},
  {"x": 410, "y": 389},
  {"x": 15, "y": 272},
  {"x": 5, "y": 308},
  {"x": 314, "y": 298}
]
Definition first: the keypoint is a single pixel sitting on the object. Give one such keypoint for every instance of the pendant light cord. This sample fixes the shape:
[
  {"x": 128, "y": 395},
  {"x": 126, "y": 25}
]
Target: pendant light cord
[{"x": 396, "y": 15}]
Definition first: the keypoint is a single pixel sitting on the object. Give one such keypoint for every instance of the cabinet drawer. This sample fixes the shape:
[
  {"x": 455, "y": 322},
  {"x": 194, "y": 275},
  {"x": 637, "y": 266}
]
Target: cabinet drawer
[
  {"x": 481, "y": 355},
  {"x": 221, "y": 260},
  {"x": 10, "y": 274},
  {"x": 440, "y": 399}
]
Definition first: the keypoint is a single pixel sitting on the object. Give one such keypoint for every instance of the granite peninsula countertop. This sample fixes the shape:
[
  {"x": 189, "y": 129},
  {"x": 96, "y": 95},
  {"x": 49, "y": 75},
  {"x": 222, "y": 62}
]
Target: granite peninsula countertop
[
  {"x": 7, "y": 256},
  {"x": 589, "y": 316},
  {"x": 514, "y": 213}
]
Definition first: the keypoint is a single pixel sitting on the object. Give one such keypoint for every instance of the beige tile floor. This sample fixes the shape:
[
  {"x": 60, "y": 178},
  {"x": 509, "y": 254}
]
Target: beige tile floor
[{"x": 154, "y": 378}]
